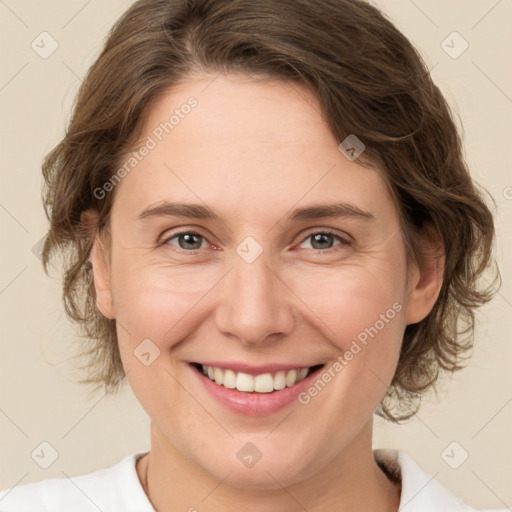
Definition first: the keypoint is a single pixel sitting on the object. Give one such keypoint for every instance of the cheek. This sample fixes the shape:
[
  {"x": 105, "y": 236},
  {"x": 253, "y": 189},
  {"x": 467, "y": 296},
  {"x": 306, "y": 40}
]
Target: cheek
[
  {"x": 360, "y": 310},
  {"x": 157, "y": 301},
  {"x": 350, "y": 302}
]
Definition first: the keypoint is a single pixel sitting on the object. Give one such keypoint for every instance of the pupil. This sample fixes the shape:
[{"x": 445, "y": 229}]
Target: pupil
[
  {"x": 319, "y": 238},
  {"x": 189, "y": 240}
]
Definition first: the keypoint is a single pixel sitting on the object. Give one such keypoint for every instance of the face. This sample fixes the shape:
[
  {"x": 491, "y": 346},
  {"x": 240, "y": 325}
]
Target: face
[{"x": 287, "y": 256}]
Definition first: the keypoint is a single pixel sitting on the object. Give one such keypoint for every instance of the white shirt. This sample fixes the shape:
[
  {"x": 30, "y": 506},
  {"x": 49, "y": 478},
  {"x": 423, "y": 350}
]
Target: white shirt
[{"x": 118, "y": 489}]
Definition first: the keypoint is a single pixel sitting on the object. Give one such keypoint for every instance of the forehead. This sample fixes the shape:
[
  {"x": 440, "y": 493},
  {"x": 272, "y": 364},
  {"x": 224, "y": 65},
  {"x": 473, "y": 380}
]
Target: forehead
[{"x": 238, "y": 144}]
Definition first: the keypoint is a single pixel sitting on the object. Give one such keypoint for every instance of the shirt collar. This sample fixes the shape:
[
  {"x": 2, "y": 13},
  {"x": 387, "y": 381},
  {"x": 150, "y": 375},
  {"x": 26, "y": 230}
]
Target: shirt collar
[{"x": 420, "y": 492}]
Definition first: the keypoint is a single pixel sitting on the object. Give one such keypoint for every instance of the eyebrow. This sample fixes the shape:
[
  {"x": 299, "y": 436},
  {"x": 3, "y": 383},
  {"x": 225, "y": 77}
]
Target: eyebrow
[{"x": 197, "y": 211}]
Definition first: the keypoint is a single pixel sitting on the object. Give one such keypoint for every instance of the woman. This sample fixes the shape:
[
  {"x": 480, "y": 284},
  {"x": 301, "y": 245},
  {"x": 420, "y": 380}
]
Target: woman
[{"x": 270, "y": 232}]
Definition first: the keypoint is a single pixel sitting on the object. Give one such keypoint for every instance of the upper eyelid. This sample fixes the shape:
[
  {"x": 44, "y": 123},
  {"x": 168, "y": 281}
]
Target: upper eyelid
[
  {"x": 345, "y": 239},
  {"x": 328, "y": 231}
]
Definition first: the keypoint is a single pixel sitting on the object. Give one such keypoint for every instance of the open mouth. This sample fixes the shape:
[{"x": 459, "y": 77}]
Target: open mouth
[{"x": 263, "y": 383}]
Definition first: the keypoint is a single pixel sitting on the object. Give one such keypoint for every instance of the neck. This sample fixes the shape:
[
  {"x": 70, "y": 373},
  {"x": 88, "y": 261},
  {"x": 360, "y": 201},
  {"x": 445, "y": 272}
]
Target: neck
[{"x": 352, "y": 481}]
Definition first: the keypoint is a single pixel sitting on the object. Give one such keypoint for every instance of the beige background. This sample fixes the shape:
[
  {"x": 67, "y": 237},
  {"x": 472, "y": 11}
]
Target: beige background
[{"x": 39, "y": 400}]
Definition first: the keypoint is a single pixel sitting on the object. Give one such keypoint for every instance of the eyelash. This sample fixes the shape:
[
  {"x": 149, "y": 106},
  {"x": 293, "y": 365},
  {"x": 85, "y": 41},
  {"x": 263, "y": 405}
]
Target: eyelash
[{"x": 345, "y": 242}]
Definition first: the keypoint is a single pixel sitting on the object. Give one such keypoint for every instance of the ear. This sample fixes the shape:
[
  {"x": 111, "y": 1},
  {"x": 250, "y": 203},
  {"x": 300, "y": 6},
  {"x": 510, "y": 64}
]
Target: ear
[
  {"x": 100, "y": 268},
  {"x": 425, "y": 278}
]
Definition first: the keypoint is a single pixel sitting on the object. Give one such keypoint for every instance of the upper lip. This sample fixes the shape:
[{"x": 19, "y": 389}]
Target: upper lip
[{"x": 253, "y": 369}]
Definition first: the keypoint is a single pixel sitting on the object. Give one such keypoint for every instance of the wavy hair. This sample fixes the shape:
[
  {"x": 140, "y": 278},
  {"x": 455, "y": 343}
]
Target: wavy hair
[{"x": 369, "y": 80}]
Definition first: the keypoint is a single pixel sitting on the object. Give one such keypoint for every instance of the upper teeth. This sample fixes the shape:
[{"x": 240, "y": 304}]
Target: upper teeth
[{"x": 264, "y": 383}]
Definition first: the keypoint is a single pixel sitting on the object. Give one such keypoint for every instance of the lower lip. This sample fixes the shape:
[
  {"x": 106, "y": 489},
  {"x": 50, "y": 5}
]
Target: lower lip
[{"x": 254, "y": 404}]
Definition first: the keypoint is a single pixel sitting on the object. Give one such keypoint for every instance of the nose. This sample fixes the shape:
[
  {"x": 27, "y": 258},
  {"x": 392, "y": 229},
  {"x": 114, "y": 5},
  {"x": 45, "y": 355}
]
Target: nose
[{"x": 256, "y": 307}]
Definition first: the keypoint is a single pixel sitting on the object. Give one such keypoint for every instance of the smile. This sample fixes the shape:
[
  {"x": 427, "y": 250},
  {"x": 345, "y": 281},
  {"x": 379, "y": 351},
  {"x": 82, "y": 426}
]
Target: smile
[
  {"x": 262, "y": 383},
  {"x": 254, "y": 390}
]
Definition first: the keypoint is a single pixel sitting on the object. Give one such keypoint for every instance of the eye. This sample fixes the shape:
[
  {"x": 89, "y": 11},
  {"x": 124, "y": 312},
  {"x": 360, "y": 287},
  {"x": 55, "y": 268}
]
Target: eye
[
  {"x": 186, "y": 240},
  {"x": 323, "y": 240},
  {"x": 190, "y": 241}
]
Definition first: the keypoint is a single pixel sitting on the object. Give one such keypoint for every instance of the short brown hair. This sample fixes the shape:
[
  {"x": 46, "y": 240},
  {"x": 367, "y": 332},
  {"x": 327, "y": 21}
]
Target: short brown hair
[{"x": 369, "y": 80}]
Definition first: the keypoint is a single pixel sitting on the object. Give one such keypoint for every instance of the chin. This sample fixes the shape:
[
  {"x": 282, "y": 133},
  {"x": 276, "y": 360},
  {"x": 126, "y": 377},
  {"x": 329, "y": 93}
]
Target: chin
[
  {"x": 275, "y": 468},
  {"x": 260, "y": 477}
]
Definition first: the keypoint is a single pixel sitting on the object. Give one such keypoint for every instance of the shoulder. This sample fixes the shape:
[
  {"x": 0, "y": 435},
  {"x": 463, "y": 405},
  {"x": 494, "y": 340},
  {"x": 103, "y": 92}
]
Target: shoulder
[
  {"x": 109, "y": 489},
  {"x": 420, "y": 492}
]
